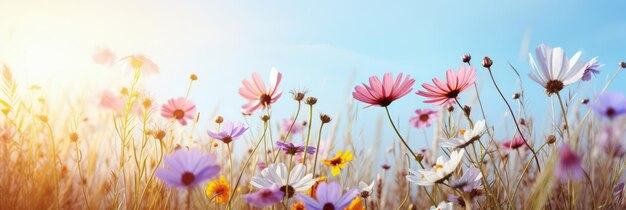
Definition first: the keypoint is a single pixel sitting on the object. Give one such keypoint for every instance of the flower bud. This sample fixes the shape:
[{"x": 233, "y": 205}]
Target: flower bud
[
  {"x": 551, "y": 139},
  {"x": 298, "y": 95},
  {"x": 419, "y": 157},
  {"x": 622, "y": 64},
  {"x": 487, "y": 62},
  {"x": 584, "y": 101},
  {"x": 466, "y": 58},
  {"x": 516, "y": 96},
  {"x": 450, "y": 108},
  {"x": 219, "y": 119},
  {"x": 193, "y": 77},
  {"x": 265, "y": 118},
  {"x": 73, "y": 137},
  {"x": 467, "y": 109}
]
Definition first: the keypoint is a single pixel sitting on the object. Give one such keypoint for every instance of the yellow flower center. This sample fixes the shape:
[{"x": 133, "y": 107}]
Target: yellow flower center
[
  {"x": 135, "y": 63},
  {"x": 438, "y": 166}
]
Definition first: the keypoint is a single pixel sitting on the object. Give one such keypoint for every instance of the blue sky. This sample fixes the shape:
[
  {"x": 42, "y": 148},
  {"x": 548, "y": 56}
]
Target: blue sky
[{"x": 326, "y": 47}]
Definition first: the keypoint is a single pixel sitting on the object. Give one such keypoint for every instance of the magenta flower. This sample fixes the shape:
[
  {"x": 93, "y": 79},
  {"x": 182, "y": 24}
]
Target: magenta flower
[
  {"x": 441, "y": 93},
  {"x": 592, "y": 69},
  {"x": 179, "y": 109},
  {"x": 297, "y": 127},
  {"x": 265, "y": 196},
  {"x": 328, "y": 197},
  {"x": 256, "y": 93},
  {"x": 424, "y": 118},
  {"x": 104, "y": 56},
  {"x": 292, "y": 149},
  {"x": 230, "y": 131},
  {"x": 187, "y": 168},
  {"x": 569, "y": 165},
  {"x": 513, "y": 144},
  {"x": 610, "y": 105},
  {"x": 382, "y": 94}
]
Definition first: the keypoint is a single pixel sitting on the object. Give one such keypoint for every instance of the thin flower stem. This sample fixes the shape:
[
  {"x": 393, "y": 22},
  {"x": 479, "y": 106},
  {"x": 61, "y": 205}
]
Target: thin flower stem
[
  {"x": 245, "y": 165},
  {"x": 406, "y": 197},
  {"x": 471, "y": 123},
  {"x": 515, "y": 120},
  {"x": 286, "y": 196},
  {"x": 308, "y": 135},
  {"x": 188, "y": 89},
  {"x": 564, "y": 113},
  {"x": 400, "y": 136},
  {"x": 519, "y": 180},
  {"x": 317, "y": 149},
  {"x": 289, "y": 131},
  {"x": 230, "y": 159}
]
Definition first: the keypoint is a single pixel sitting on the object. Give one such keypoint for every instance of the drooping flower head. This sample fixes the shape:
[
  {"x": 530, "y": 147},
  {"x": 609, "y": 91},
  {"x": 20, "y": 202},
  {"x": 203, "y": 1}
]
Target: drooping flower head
[
  {"x": 256, "y": 93},
  {"x": 140, "y": 63},
  {"x": 513, "y": 144},
  {"x": 569, "y": 165},
  {"x": 443, "y": 92},
  {"x": 592, "y": 69},
  {"x": 265, "y": 196},
  {"x": 218, "y": 190},
  {"x": 469, "y": 136},
  {"x": 555, "y": 71},
  {"x": 276, "y": 174},
  {"x": 328, "y": 197},
  {"x": 291, "y": 149},
  {"x": 423, "y": 118},
  {"x": 383, "y": 93},
  {"x": 103, "y": 56},
  {"x": 230, "y": 131},
  {"x": 187, "y": 168},
  {"x": 338, "y": 162},
  {"x": 179, "y": 109},
  {"x": 610, "y": 105}
]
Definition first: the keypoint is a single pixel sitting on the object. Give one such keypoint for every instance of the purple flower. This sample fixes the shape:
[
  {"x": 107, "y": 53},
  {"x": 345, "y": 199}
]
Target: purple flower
[
  {"x": 592, "y": 68},
  {"x": 328, "y": 197},
  {"x": 230, "y": 131},
  {"x": 265, "y": 196},
  {"x": 610, "y": 105},
  {"x": 470, "y": 180},
  {"x": 187, "y": 168},
  {"x": 610, "y": 141},
  {"x": 569, "y": 165},
  {"x": 292, "y": 149}
]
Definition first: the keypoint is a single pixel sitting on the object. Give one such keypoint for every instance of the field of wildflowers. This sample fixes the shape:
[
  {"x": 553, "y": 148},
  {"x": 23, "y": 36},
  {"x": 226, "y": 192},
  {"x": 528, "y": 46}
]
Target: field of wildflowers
[{"x": 137, "y": 153}]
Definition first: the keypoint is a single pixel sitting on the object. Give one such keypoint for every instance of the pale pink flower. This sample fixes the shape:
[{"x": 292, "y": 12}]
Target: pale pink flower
[
  {"x": 142, "y": 63},
  {"x": 179, "y": 109},
  {"x": 256, "y": 93},
  {"x": 383, "y": 93},
  {"x": 443, "y": 92},
  {"x": 423, "y": 118},
  {"x": 110, "y": 100},
  {"x": 104, "y": 56}
]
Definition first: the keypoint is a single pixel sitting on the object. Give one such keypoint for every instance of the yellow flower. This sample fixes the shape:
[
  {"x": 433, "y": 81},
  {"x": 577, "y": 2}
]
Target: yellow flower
[
  {"x": 218, "y": 190},
  {"x": 313, "y": 190},
  {"x": 135, "y": 62},
  {"x": 338, "y": 162},
  {"x": 298, "y": 206},
  {"x": 356, "y": 204}
]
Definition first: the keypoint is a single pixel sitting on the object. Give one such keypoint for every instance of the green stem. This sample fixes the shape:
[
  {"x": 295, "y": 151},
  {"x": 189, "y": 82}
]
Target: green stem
[
  {"x": 317, "y": 149},
  {"x": 308, "y": 136},
  {"x": 286, "y": 196},
  {"x": 400, "y": 136},
  {"x": 564, "y": 113}
]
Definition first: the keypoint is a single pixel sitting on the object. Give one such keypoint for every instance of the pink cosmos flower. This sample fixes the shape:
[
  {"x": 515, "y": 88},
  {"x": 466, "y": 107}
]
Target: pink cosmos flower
[
  {"x": 569, "y": 165},
  {"x": 104, "y": 56},
  {"x": 382, "y": 94},
  {"x": 142, "y": 63},
  {"x": 513, "y": 144},
  {"x": 441, "y": 92},
  {"x": 256, "y": 93},
  {"x": 180, "y": 109},
  {"x": 109, "y": 100},
  {"x": 424, "y": 118}
]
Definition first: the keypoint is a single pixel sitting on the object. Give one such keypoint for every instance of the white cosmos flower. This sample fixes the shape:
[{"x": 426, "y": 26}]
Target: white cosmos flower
[
  {"x": 441, "y": 171},
  {"x": 443, "y": 206},
  {"x": 364, "y": 189},
  {"x": 469, "y": 136},
  {"x": 277, "y": 174},
  {"x": 470, "y": 180},
  {"x": 555, "y": 71}
]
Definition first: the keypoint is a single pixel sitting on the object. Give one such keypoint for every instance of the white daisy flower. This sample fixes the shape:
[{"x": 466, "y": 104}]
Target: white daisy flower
[
  {"x": 441, "y": 171},
  {"x": 443, "y": 206},
  {"x": 277, "y": 174},
  {"x": 469, "y": 136},
  {"x": 555, "y": 71}
]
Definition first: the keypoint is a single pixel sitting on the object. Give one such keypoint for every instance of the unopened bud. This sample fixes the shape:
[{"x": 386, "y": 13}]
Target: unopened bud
[
  {"x": 219, "y": 119},
  {"x": 467, "y": 109},
  {"x": 466, "y": 58},
  {"x": 584, "y": 101},
  {"x": 311, "y": 100},
  {"x": 325, "y": 118},
  {"x": 516, "y": 96},
  {"x": 73, "y": 137},
  {"x": 551, "y": 139},
  {"x": 487, "y": 62},
  {"x": 622, "y": 64},
  {"x": 419, "y": 157},
  {"x": 450, "y": 108},
  {"x": 265, "y": 118},
  {"x": 298, "y": 96},
  {"x": 193, "y": 77}
]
